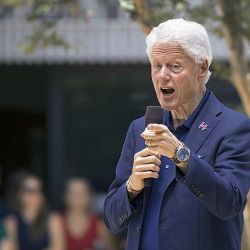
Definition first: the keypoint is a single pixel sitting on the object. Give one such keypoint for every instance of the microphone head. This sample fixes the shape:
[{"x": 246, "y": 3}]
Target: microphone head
[{"x": 154, "y": 114}]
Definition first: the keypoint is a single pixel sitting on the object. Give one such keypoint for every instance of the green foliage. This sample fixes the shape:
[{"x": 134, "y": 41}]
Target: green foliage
[
  {"x": 206, "y": 12},
  {"x": 128, "y": 5},
  {"x": 14, "y": 2},
  {"x": 221, "y": 70},
  {"x": 159, "y": 9},
  {"x": 44, "y": 14},
  {"x": 43, "y": 36}
]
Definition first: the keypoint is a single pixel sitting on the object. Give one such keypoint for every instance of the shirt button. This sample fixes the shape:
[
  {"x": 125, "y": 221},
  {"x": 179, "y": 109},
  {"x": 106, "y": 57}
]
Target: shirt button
[{"x": 138, "y": 229}]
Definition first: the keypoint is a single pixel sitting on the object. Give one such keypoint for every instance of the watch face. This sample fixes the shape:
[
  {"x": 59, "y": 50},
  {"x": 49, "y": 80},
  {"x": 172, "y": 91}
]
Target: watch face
[{"x": 183, "y": 154}]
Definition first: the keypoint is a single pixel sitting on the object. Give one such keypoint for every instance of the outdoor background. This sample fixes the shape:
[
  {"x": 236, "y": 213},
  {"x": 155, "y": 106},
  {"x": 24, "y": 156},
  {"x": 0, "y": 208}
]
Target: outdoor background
[{"x": 70, "y": 88}]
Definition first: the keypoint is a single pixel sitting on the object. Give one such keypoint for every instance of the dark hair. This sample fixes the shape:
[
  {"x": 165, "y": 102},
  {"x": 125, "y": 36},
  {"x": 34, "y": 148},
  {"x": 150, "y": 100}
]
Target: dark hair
[{"x": 16, "y": 184}]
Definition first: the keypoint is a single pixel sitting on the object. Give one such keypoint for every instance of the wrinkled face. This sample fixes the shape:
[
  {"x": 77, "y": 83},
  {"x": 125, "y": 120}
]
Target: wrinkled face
[
  {"x": 31, "y": 194},
  {"x": 77, "y": 195},
  {"x": 176, "y": 77}
]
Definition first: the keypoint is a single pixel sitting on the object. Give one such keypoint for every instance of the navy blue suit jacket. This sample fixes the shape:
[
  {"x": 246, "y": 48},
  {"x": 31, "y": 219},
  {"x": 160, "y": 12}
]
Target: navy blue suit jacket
[{"x": 199, "y": 211}]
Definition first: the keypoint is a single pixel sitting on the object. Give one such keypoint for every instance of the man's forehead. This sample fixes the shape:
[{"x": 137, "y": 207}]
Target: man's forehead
[{"x": 168, "y": 49}]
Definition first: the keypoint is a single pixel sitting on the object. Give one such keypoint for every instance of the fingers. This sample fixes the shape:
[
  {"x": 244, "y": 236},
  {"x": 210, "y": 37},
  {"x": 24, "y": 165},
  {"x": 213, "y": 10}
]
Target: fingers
[
  {"x": 145, "y": 175},
  {"x": 147, "y": 152},
  {"x": 155, "y": 131},
  {"x": 158, "y": 128},
  {"x": 160, "y": 139},
  {"x": 146, "y": 164},
  {"x": 152, "y": 136},
  {"x": 148, "y": 167},
  {"x": 147, "y": 160},
  {"x": 152, "y": 144}
]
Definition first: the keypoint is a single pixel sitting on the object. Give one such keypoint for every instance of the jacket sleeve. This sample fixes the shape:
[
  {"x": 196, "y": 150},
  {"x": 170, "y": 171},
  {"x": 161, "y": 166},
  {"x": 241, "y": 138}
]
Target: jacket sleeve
[
  {"x": 223, "y": 188},
  {"x": 117, "y": 207}
]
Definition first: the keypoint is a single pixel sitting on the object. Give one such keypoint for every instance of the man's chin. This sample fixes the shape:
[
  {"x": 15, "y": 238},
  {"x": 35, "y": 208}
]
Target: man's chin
[{"x": 167, "y": 106}]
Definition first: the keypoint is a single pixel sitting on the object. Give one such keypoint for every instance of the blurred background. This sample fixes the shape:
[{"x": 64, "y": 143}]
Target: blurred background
[{"x": 74, "y": 74}]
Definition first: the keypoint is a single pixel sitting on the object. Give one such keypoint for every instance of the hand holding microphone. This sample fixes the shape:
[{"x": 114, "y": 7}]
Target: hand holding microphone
[
  {"x": 146, "y": 162},
  {"x": 146, "y": 166},
  {"x": 157, "y": 136},
  {"x": 160, "y": 141}
]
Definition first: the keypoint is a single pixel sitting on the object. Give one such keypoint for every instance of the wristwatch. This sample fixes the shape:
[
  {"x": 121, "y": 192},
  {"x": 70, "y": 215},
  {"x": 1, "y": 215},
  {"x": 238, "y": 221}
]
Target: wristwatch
[{"x": 182, "y": 154}]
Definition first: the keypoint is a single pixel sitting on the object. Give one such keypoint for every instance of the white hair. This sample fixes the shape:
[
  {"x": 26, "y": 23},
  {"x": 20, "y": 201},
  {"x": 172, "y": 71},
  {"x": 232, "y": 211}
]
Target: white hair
[{"x": 191, "y": 36}]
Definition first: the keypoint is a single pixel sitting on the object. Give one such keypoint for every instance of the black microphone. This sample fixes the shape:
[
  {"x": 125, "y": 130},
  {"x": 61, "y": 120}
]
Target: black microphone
[{"x": 154, "y": 114}]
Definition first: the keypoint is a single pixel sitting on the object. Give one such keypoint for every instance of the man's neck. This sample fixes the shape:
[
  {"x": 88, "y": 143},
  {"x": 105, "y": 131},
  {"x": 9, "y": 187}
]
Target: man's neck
[{"x": 183, "y": 112}]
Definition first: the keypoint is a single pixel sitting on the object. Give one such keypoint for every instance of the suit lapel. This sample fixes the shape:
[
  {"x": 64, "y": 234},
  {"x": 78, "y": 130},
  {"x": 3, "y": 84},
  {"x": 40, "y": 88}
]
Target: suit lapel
[{"x": 204, "y": 124}]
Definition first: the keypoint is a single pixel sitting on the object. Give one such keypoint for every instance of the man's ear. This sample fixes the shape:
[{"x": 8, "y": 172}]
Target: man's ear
[{"x": 204, "y": 68}]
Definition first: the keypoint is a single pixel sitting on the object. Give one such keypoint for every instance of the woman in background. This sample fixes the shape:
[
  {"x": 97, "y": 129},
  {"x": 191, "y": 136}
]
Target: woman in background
[
  {"x": 82, "y": 229},
  {"x": 3, "y": 239},
  {"x": 32, "y": 228}
]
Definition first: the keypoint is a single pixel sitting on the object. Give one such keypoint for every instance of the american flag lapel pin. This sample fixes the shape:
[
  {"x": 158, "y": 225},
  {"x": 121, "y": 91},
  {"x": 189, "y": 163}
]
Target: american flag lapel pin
[{"x": 203, "y": 126}]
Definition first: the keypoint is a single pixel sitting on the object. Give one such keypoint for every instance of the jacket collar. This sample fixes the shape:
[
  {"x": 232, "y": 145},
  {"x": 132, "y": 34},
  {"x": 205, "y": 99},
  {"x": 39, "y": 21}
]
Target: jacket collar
[{"x": 204, "y": 123}]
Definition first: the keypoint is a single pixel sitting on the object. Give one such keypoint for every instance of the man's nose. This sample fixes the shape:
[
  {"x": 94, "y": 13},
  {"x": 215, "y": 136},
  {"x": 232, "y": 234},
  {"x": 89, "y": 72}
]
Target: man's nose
[{"x": 165, "y": 73}]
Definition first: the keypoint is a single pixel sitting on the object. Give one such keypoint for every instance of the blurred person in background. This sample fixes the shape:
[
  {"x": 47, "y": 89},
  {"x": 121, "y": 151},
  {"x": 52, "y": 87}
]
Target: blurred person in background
[
  {"x": 2, "y": 235},
  {"x": 5, "y": 243},
  {"x": 83, "y": 230},
  {"x": 32, "y": 227},
  {"x": 4, "y": 212}
]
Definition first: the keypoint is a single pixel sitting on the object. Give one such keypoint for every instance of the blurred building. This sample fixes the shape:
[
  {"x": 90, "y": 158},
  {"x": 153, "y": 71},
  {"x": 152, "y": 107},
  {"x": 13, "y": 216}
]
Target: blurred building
[{"x": 66, "y": 112}]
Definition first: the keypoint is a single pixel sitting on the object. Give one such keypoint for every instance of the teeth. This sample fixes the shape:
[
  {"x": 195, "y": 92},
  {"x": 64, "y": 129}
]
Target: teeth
[{"x": 167, "y": 91}]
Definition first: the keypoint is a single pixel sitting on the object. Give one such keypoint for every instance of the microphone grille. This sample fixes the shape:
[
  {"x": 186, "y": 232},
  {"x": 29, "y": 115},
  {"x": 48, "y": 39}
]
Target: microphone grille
[{"x": 154, "y": 114}]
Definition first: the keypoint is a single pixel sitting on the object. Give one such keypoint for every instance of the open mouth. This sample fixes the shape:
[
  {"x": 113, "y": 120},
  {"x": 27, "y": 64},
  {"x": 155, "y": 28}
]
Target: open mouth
[{"x": 167, "y": 91}]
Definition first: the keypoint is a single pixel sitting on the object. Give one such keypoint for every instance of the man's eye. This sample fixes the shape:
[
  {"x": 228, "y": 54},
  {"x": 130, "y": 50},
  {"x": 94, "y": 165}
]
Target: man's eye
[
  {"x": 157, "y": 66},
  {"x": 175, "y": 67}
]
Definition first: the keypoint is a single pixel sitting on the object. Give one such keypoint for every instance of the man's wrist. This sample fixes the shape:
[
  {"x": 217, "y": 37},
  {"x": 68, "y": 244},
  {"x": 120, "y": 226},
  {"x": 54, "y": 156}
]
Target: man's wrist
[
  {"x": 132, "y": 193},
  {"x": 130, "y": 189},
  {"x": 183, "y": 166}
]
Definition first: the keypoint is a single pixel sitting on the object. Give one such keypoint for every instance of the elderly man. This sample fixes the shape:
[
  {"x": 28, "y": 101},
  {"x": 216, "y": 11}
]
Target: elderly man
[{"x": 199, "y": 158}]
